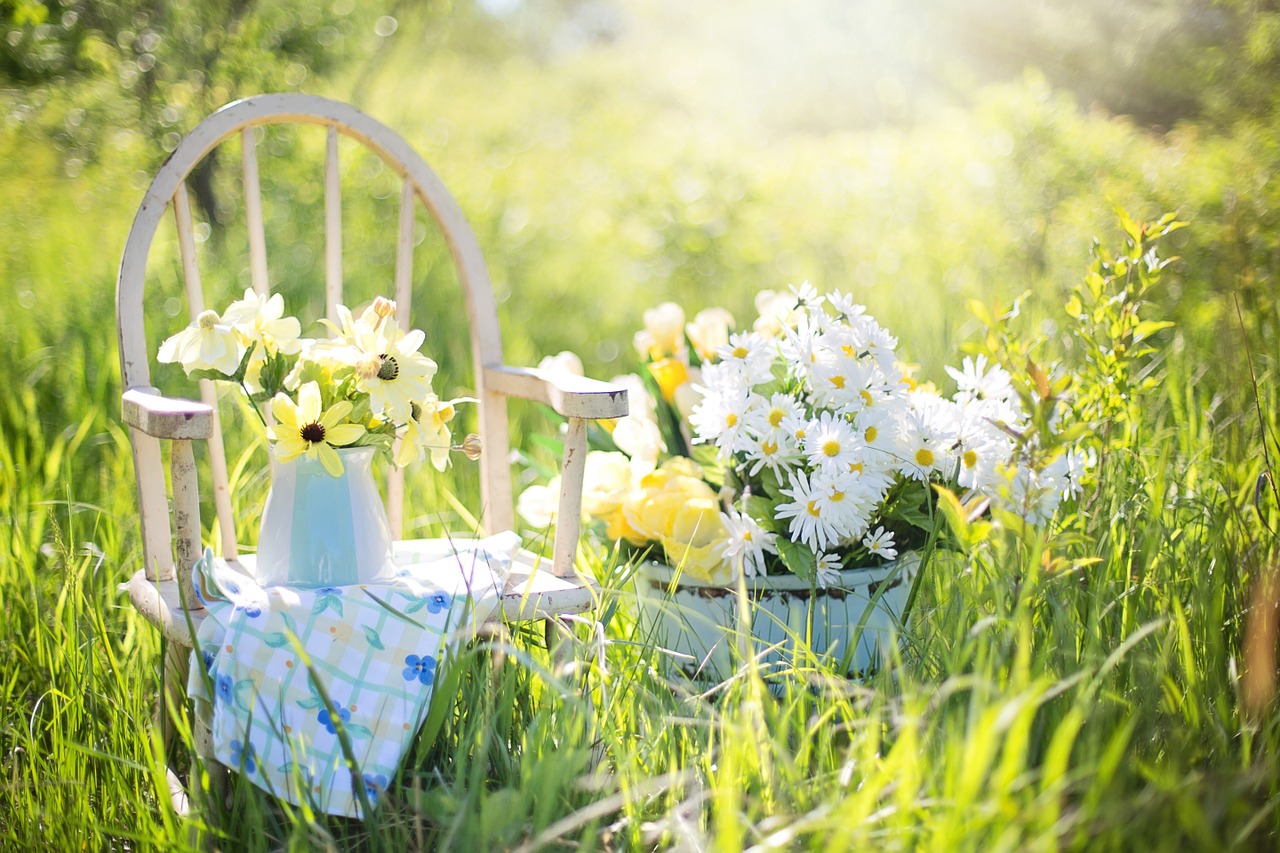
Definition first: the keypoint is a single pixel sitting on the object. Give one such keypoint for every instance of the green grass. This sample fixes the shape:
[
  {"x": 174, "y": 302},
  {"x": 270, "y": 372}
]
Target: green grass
[{"x": 1095, "y": 702}]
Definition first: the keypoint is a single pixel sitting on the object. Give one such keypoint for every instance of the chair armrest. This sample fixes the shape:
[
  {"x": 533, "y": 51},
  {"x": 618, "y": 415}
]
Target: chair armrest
[
  {"x": 569, "y": 395},
  {"x": 166, "y": 417}
]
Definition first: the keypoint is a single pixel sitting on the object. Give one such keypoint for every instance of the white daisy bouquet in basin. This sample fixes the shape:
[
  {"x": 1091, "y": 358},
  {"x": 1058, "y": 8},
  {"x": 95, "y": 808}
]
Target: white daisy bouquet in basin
[
  {"x": 365, "y": 385},
  {"x": 801, "y": 445}
]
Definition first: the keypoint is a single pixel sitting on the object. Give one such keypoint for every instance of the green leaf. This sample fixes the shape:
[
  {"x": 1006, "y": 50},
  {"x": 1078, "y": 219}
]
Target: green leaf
[
  {"x": 769, "y": 483},
  {"x": 356, "y": 730},
  {"x": 953, "y": 511},
  {"x": 373, "y": 638},
  {"x": 1128, "y": 225},
  {"x": 1147, "y": 328},
  {"x": 764, "y": 511},
  {"x": 798, "y": 559},
  {"x": 712, "y": 469},
  {"x": 310, "y": 704}
]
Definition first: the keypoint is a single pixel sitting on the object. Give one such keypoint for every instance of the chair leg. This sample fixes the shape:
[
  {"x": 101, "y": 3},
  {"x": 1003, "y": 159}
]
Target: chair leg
[
  {"x": 217, "y": 774},
  {"x": 173, "y": 691}
]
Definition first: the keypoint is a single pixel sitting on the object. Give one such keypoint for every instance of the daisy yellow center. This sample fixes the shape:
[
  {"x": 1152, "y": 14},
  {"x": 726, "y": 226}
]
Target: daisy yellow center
[
  {"x": 769, "y": 447},
  {"x": 746, "y": 535},
  {"x": 924, "y": 456},
  {"x": 313, "y": 433},
  {"x": 831, "y": 447},
  {"x": 848, "y": 350},
  {"x": 866, "y": 396},
  {"x": 390, "y": 369},
  {"x": 800, "y": 434},
  {"x": 775, "y": 417},
  {"x": 837, "y": 497},
  {"x": 731, "y": 419},
  {"x": 855, "y": 468},
  {"x": 207, "y": 319},
  {"x": 871, "y": 434},
  {"x": 837, "y": 381},
  {"x": 970, "y": 458},
  {"x": 740, "y": 352},
  {"x": 813, "y": 510}
]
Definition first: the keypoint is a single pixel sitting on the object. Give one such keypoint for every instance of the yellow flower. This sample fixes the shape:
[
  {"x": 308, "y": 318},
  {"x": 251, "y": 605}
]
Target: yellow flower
[
  {"x": 427, "y": 431},
  {"x": 605, "y": 482},
  {"x": 207, "y": 344},
  {"x": 663, "y": 333},
  {"x": 652, "y": 508},
  {"x": 670, "y": 373},
  {"x": 304, "y": 429},
  {"x": 709, "y": 331},
  {"x": 262, "y": 321},
  {"x": 693, "y": 543}
]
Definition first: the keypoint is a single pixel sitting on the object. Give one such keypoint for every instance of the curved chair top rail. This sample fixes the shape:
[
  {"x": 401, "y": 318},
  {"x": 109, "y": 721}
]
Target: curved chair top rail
[
  {"x": 340, "y": 118},
  {"x": 420, "y": 183}
]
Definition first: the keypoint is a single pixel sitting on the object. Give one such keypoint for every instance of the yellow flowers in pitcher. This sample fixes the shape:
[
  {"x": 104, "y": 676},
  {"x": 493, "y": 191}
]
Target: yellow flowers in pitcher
[{"x": 368, "y": 384}]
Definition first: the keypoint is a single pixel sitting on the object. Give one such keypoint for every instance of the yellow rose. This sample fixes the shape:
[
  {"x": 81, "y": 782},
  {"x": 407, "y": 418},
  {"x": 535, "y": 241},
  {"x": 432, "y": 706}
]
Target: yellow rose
[
  {"x": 670, "y": 373},
  {"x": 606, "y": 479},
  {"x": 777, "y": 310},
  {"x": 682, "y": 466},
  {"x": 709, "y": 331},
  {"x": 651, "y": 509},
  {"x": 693, "y": 542},
  {"x": 663, "y": 333},
  {"x": 616, "y": 527}
]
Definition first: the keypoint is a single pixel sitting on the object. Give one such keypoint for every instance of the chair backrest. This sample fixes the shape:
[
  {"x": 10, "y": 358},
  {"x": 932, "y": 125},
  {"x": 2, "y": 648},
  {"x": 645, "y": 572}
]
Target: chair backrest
[{"x": 420, "y": 184}]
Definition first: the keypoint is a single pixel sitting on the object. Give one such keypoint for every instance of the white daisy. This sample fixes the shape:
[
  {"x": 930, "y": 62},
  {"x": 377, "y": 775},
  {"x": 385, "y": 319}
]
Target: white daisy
[
  {"x": 844, "y": 306},
  {"x": 807, "y": 296},
  {"x": 828, "y": 570},
  {"x": 808, "y": 522},
  {"x": 843, "y": 498},
  {"x": 974, "y": 381},
  {"x": 752, "y": 353},
  {"x": 747, "y": 543},
  {"x": 724, "y": 414},
  {"x": 776, "y": 452},
  {"x": 880, "y": 543},
  {"x": 830, "y": 443}
]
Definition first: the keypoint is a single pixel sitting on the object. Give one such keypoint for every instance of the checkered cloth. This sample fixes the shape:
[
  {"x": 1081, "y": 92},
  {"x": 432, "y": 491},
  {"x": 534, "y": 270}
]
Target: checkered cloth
[{"x": 285, "y": 674}]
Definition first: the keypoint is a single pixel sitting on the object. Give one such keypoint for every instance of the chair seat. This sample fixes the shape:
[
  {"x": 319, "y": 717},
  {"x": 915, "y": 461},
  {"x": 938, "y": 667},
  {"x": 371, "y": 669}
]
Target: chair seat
[{"x": 532, "y": 591}]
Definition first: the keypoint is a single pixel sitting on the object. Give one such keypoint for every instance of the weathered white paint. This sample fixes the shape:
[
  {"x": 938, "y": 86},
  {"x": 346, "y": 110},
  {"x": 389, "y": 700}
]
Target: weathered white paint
[
  {"x": 253, "y": 212},
  {"x": 569, "y": 517},
  {"x": 332, "y": 226},
  {"x": 208, "y": 392}
]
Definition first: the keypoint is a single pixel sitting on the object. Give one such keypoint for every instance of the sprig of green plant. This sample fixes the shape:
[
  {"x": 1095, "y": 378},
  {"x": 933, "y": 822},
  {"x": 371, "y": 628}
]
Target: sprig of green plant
[{"x": 1107, "y": 308}]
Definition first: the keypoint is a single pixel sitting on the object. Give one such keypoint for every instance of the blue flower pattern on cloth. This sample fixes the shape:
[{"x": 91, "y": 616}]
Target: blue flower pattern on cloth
[
  {"x": 327, "y": 720},
  {"x": 225, "y": 688},
  {"x": 374, "y": 785},
  {"x": 421, "y": 668},
  {"x": 244, "y": 754},
  {"x": 260, "y": 649}
]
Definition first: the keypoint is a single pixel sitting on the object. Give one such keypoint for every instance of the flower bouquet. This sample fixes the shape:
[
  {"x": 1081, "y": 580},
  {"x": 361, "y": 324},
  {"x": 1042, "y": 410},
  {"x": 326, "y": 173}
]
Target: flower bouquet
[
  {"x": 799, "y": 456},
  {"x": 334, "y": 403}
]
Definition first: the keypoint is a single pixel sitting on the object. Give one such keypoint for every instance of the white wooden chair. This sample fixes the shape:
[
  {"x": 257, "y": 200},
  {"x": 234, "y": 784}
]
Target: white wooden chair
[{"x": 162, "y": 589}]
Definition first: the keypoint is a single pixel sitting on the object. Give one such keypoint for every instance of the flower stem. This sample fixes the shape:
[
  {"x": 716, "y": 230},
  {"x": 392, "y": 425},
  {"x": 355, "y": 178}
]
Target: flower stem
[{"x": 252, "y": 404}]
